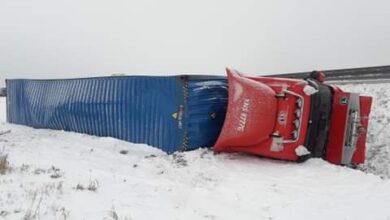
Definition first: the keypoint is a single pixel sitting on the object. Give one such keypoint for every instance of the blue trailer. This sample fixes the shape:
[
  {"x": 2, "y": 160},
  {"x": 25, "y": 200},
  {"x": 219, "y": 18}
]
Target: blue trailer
[{"x": 172, "y": 113}]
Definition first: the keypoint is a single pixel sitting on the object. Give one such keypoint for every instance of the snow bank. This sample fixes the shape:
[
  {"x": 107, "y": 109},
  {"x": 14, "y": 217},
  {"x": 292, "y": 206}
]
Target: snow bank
[{"x": 52, "y": 171}]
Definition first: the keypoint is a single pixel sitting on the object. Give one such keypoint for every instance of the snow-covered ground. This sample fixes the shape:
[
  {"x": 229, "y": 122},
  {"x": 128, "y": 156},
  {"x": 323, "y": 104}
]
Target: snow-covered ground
[{"x": 64, "y": 175}]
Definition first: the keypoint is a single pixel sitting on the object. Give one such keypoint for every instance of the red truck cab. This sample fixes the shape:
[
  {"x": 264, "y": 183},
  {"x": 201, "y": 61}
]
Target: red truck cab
[{"x": 294, "y": 119}]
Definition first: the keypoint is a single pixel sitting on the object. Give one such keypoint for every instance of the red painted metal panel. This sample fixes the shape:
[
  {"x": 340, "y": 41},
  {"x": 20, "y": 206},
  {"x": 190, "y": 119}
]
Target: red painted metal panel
[
  {"x": 337, "y": 127},
  {"x": 269, "y": 117},
  {"x": 251, "y": 113}
]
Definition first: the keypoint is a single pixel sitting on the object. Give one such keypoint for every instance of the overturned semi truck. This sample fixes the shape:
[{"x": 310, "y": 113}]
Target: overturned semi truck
[{"x": 289, "y": 119}]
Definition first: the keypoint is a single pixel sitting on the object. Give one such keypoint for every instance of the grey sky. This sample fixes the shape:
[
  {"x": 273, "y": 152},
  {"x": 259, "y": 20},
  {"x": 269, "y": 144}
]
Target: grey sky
[{"x": 51, "y": 39}]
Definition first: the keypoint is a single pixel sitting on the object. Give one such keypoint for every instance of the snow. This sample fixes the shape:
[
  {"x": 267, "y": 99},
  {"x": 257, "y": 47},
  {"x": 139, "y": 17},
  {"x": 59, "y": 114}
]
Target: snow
[
  {"x": 3, "y": 111},
  {"x": 301, "y": 151},
  {"x": 65, "y": 175},
  {"x": 309, "y": 90}
]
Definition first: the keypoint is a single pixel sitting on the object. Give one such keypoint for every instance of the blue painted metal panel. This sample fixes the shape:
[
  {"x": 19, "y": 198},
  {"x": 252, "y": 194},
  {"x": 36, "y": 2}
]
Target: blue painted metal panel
[
  {"x": 206, "y": 109},
  {"x": 171, "y": 113}
]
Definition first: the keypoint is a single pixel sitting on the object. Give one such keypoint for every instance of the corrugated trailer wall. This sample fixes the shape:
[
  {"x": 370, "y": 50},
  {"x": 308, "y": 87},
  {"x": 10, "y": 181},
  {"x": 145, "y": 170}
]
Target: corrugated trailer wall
[{"x": 171, "y": 113}]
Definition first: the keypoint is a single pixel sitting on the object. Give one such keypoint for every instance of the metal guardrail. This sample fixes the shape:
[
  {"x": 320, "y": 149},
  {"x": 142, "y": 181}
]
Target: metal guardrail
[{"x": 371, "y": 74}]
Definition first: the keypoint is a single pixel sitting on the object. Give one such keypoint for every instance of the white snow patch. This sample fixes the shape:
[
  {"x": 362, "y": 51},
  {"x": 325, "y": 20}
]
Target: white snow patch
[
  {"x": 3, "y": 111},
  {"x": 309, "y": 90},
  {"x": 301, "y": 151}
]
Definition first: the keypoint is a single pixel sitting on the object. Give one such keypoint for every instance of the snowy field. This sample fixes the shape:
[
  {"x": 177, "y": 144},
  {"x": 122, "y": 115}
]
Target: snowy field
[{"x": 64, "y": 175}]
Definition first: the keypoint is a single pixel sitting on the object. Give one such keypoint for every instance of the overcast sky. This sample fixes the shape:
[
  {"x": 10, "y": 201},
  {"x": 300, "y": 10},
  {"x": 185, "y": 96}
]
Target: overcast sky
[{"x": 52, "y": 39}]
